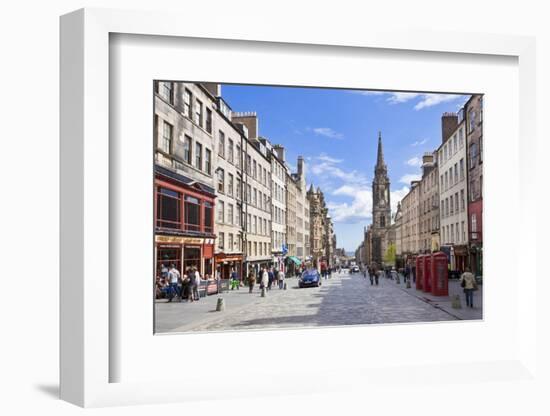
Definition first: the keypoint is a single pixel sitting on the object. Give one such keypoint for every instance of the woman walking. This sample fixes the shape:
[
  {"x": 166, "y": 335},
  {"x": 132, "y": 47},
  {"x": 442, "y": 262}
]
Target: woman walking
[{"x": 468, "y": 282}]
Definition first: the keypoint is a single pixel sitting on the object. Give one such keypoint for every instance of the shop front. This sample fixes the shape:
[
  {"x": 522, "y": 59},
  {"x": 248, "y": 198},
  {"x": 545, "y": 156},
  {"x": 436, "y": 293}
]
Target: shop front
[
  {"x": 184, "y": 253},
  {"x": 184, "y": 233},
  {"x": 226, "y": 263}
]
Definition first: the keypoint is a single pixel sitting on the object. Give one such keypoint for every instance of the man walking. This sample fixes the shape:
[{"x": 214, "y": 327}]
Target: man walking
[
  {"x": 173, "y": 277},
  {"x": 468, "y": 282},
  {"x": 270, "y": 278}
]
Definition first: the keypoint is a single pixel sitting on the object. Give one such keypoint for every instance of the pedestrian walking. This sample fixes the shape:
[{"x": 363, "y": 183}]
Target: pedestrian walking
[
  {"x": 265, "y": 279},
  {"x": 251, "y": 280},
  {"x": 376, "y": 276},
  {"x": 270, "y": 278},
  {"x": 281, "y": 278},
  {"x": 235, "y": 281},
  {"x": 468, "y": 282},
  {"x": 196, "y": 283},
  {"x": 173, "y": 277}
]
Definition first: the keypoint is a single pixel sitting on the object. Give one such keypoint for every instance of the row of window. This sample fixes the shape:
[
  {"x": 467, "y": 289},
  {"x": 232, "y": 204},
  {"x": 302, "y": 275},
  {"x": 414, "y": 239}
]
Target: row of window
[
  {"x": 279, "y": 216},
  {"x": 452, "y": 175},
  {"x": 257, "y": 248},
  {"x": 183, "y": 212},
  {"x": 450, "y": 205},
  {"x": 193, "y": 108},
  {"x": 452, "y": 146},
  {"x": 451, "y": 234},
  {"x": 476, "y": 153},
  {"x": 194, "y": 156}
]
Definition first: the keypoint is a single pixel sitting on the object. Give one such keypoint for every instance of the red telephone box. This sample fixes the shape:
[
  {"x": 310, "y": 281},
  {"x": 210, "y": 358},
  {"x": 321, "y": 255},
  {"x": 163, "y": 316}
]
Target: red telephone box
[
  {"x": 419, "y": 272},
  {"x": 427, "y": 276},
  {"x": 440, "y": 274}
]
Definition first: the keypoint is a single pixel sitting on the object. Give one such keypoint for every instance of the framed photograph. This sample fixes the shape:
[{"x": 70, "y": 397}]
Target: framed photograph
[{"x": 249, "y": 205}]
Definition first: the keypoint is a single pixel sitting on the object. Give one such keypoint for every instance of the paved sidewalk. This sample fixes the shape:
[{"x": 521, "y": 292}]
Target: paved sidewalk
[
  {"x": 343, "y": 300},
  {"x": 445, "y": 302},
  {"x": 185, "y": 316}
]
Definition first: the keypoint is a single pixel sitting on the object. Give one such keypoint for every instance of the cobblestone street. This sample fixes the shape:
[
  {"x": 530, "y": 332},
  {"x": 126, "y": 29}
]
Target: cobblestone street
[{"x": 343, "y": 300}]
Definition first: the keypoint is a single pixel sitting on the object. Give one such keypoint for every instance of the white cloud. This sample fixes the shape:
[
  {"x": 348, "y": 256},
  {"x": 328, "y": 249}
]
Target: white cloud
[
  {"x": 325, "y": 158},
  {"x": 358, "y": 209},
  {"x": 326, "y": 167},
  {"x": 426, "y": 100},
  {"x": 406, "y": 179},
  {"x": 429, "y": 100},
  {"x": 419, "y": 142},
  {"x": 397, "y": 196},
  {"x": 327, "y": 132},
  {"x": 414, "y": 162},
  {"x": 401, "y": 97}
]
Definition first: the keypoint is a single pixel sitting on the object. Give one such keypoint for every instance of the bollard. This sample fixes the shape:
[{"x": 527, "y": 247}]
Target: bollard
[
  {"x": 408, "y": 284},
  {"x": 220, "y": 306},
  {"x": 263, "y": 292},
  {"x": 456, "y": 302}
]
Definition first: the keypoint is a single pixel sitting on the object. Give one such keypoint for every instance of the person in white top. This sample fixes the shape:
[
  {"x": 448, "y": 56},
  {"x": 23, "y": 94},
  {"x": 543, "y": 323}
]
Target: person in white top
[
  {"x": 173, "y": 277},
  {"x": 281, "y": 278},
  {"x": 265, "y": 278},
  {"x": 197, "y": 282}
]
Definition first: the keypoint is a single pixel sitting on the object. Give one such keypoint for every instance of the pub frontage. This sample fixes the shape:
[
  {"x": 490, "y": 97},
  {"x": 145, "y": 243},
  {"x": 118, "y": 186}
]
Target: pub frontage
[{"x": 184, "y": 230}]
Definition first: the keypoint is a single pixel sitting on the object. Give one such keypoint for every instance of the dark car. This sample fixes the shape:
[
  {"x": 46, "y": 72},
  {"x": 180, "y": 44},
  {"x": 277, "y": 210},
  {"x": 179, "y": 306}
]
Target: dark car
[{"x": 310, "y": 277}]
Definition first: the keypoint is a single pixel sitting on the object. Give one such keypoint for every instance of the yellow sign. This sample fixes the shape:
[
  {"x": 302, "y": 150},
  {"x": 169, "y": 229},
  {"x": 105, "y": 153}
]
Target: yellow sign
[{"x": 173, "y": 239}]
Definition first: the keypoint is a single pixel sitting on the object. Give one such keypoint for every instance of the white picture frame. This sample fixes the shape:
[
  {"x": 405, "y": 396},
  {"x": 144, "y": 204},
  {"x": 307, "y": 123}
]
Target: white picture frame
[{"x": 86, "y": 309}]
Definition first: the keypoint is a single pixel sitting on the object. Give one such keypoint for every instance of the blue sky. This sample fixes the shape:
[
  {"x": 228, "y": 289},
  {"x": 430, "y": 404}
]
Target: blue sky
[{"x": 337, "y": 130}]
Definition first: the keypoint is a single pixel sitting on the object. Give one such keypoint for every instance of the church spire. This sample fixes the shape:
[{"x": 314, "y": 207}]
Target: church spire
[
  {"x": 380, "y": 165},
  {"x": 380, "y": 158}
]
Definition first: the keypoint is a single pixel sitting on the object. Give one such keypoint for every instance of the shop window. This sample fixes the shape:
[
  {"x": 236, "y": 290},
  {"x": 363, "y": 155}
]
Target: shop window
[
  {"x": 192, "y": 258},
  {"x": 192, "y": 214},
  {"x": 168, "y": 208},
  {"x": 166, "y": 256}
]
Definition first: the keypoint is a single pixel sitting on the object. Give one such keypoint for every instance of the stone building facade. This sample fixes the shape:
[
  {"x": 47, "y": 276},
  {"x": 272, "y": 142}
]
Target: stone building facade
[
  {"x": 453, "y": 194},
  {"x": 257, "y": 193},
  {"x": 278, "y": 204},
  {"x": 184, "y": 176},
  {"x": 428, "y": 221},
  {"x": 474, "y": 139}
]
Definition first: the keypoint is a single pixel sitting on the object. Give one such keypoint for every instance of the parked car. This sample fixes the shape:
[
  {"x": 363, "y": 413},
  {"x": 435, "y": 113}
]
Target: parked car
[
  {"x": 310, "y": 277},
  {"x": 355, "y": 269},
  {"x": 345, "y": 270}
]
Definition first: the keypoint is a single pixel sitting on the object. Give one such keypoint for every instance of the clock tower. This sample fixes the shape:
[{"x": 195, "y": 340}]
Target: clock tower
[{"x": 381, "y": 208}]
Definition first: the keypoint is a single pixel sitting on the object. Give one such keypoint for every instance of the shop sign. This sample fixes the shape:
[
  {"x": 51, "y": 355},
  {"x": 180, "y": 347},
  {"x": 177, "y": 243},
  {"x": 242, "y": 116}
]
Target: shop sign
[{"x": 173, "y": 239}]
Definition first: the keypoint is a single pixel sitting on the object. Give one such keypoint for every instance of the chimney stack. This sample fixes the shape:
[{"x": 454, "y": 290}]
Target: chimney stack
[
  {"x": 280, "y": 150},
  {"x": 300, "y": 166},
  {"x": 449, "y": 123}
]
